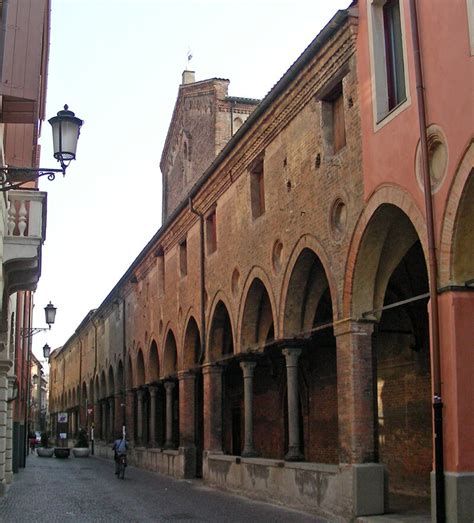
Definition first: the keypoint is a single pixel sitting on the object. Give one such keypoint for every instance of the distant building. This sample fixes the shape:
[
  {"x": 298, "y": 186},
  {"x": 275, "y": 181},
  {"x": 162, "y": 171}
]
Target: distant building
[{"x": 273, "y": 337}]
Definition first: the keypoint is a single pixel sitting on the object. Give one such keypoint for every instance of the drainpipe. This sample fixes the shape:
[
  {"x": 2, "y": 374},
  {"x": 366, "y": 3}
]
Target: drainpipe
[
  {"x": 80, "y": 380},
  {"x": 203, "y": 279},
  {"x": 433, "y": 273}
]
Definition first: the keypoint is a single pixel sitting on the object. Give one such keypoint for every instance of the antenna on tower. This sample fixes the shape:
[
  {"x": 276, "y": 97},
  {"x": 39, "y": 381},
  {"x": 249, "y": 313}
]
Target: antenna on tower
[{"x": 189, "y": 57}]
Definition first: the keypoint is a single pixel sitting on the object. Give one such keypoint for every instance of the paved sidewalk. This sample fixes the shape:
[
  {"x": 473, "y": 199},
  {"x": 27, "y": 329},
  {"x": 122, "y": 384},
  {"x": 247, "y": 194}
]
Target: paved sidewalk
[{"x": 86, "y": 490}]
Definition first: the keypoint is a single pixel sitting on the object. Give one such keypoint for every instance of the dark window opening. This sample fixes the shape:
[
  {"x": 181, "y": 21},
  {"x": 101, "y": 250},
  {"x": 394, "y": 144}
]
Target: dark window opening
[
  {"x": 396, "y": 91},
  {"x": 183, "y": 258},
  {"x": 211, "y": 233},
  {"x": 334, "y": 124},
  {"x": 257, "y": 189}
]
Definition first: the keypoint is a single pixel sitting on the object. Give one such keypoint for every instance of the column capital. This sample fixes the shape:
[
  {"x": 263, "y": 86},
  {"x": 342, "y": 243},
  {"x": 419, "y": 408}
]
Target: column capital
[
  {"x": 352, "y": 326},
  {"x": 248, "y": 368},
  {"x": 169, "y": 385},
  {"x": 291, "y": 356},
  {"x": 212, "y": 368},
  {"x": 152, "y": 389},
  {"x": 186, "y": 375},
  {"x": 140, "y": 393}
]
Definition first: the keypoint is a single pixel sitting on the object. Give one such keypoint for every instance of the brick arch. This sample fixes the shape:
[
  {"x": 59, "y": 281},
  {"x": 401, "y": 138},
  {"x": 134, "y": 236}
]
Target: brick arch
[
  {"x": 152, "y": 369},
  {"x": 257, "y": 296},
  {"x": 110, "y": 382},
  {"x": 170, "y": 354},
  {"x": 364, "y": 243},
  {"x": 139, "y": 368},
  {"x": 220, "y": 305},
  {"x": 191, "y": 343},
  {"x": 311, "y": 243},
  {"x": 119, "y": 372},
  {"x": 456, "y": 219},
  {"x": 103, "y": 385}
]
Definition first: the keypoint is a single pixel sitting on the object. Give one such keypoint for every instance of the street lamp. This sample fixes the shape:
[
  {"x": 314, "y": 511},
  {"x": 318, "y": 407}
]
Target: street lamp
[
  {"x": 50, "y": 314},
  {"x": 46, "y": 351},
  {"x": 66, "y": 128}
]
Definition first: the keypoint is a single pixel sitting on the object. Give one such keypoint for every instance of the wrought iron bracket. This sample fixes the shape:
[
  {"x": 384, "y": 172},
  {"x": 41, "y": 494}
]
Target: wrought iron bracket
[
  {"x": 16, "y": 177},
  {"x": 26, "y": 332}
]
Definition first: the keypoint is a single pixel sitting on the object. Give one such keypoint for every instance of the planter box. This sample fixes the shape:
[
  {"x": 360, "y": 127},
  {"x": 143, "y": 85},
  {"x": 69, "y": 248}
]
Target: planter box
[
  {"x": 61, "y": 452},
  {"x": 81, "y": 452},
  {"x": 43, "y": 452}
]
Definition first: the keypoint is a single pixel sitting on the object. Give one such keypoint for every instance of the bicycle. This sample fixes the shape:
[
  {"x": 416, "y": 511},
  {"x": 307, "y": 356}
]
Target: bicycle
[{"x": 122, "y": 463}]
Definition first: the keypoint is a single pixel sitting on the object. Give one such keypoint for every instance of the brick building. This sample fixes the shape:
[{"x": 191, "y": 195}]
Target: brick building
[{"x": 274, "y": 335}]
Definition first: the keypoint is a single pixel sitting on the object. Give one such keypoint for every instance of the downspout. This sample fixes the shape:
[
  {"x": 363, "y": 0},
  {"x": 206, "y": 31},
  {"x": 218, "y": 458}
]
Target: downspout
[
  {"x": 202, "y": 279},
  {"x": 27, "y": 308},
  {"x": 80, "y": 380},
  {"x": 433, "y": 273}
]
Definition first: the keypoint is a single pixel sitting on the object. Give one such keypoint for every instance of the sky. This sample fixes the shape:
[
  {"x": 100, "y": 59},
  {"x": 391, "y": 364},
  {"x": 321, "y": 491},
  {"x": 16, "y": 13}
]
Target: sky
[{"x": 118, "y": 65}]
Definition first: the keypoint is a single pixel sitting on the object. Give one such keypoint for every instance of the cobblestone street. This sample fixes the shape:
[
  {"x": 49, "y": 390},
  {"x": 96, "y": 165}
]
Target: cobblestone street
[{"x": 54, "y": 490}]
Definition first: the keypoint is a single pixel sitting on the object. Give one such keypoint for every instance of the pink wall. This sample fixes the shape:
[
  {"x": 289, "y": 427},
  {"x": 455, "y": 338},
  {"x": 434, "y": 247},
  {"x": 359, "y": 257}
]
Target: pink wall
[{"x": 389, "y": 153}]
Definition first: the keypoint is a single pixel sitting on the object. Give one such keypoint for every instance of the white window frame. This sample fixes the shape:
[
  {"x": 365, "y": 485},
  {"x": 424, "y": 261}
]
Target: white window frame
[{"x": 382, "y": 115}]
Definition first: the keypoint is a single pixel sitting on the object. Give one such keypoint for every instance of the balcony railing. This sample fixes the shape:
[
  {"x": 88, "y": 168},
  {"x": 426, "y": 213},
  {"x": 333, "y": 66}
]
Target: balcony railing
[{"x": 25, "y": 233}]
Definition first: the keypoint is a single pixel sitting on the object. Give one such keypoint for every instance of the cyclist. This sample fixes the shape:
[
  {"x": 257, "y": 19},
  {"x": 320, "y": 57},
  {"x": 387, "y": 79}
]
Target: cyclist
[{"x": 120, "y": 448}]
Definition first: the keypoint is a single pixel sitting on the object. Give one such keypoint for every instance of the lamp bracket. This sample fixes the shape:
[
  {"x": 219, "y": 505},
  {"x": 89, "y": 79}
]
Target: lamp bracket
[
  {"x": 26, "y": 332},
  {"x": 16, "y": 177}
]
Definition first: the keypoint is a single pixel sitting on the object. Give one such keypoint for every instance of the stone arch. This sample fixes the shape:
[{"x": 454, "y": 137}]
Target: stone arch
[
  {"x": 191, "y": 352},
  {"x": 140, "y": 369},
  {"x": 221, "y": 336},
  {"x": 390, "y": 208},
  {"x": 257, "y": 323},
  {"x": 153, "y": 368},
  {"x": 306, "y": 243},
  {"x": 457, "y": 241},
  {"x": 170, "y": 355}
]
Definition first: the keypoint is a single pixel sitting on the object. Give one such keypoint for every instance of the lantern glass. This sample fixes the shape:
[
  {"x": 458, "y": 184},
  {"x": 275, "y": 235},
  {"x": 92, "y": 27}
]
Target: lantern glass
[
  {"x": 66, "y": 128},
  {"x": 50, "y": 312},
  {"x": 46, "y": 351},
  {"x": 35, "y": 379}
]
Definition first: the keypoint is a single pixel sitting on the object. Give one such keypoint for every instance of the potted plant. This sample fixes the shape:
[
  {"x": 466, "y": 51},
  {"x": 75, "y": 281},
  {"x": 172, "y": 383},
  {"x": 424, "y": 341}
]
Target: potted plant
[
  {"x": 81, "y": 449},
  {"x": 44, "y": 450}
]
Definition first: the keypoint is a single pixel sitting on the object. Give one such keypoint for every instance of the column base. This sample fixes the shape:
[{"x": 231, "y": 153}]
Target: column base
[
  {"x": 169, "y": 445},
  {"x": 294, "y": 454},
  {"x": 459, "y": 487}
]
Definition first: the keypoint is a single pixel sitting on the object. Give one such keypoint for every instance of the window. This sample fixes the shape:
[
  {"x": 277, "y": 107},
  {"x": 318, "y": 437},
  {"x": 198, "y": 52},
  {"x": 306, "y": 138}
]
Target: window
[
  {"x": 211, "y": 232},
  {"x": 387, "y": 55},
  {"x": 333, "y": 121},
  {"x": 393, "y": 54},
  {"x": 257, "y": 189},
  {"x": 160, "y": 256},
  {"x": 183, "y": 258}
]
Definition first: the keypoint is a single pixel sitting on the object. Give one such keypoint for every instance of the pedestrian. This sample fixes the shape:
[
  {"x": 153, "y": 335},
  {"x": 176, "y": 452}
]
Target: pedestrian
[
  {"x": 120, "y": 448},
  {"x": 32, "y": 441}
]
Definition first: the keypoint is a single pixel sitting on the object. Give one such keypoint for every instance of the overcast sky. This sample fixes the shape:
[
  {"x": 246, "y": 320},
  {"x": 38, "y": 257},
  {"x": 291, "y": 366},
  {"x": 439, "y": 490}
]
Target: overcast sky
[{"x": 118, "y": 65}]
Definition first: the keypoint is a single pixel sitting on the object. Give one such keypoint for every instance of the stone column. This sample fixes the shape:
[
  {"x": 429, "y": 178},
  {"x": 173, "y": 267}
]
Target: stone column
[
  {"x": 153, "y": 389},
  {"x": 212, "y": 377},
  {"x": 294, "y": 451},
  {"x": 169, "y": 386},
  {"x": 111, "y": 417},
  {"x": 355, "y": 392},
  {"x": 103, "y": 417},
  {"x": 187, "y": 409},
  {"x": 248, "y": 368},
  {"x": 140, "y": 416}
]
